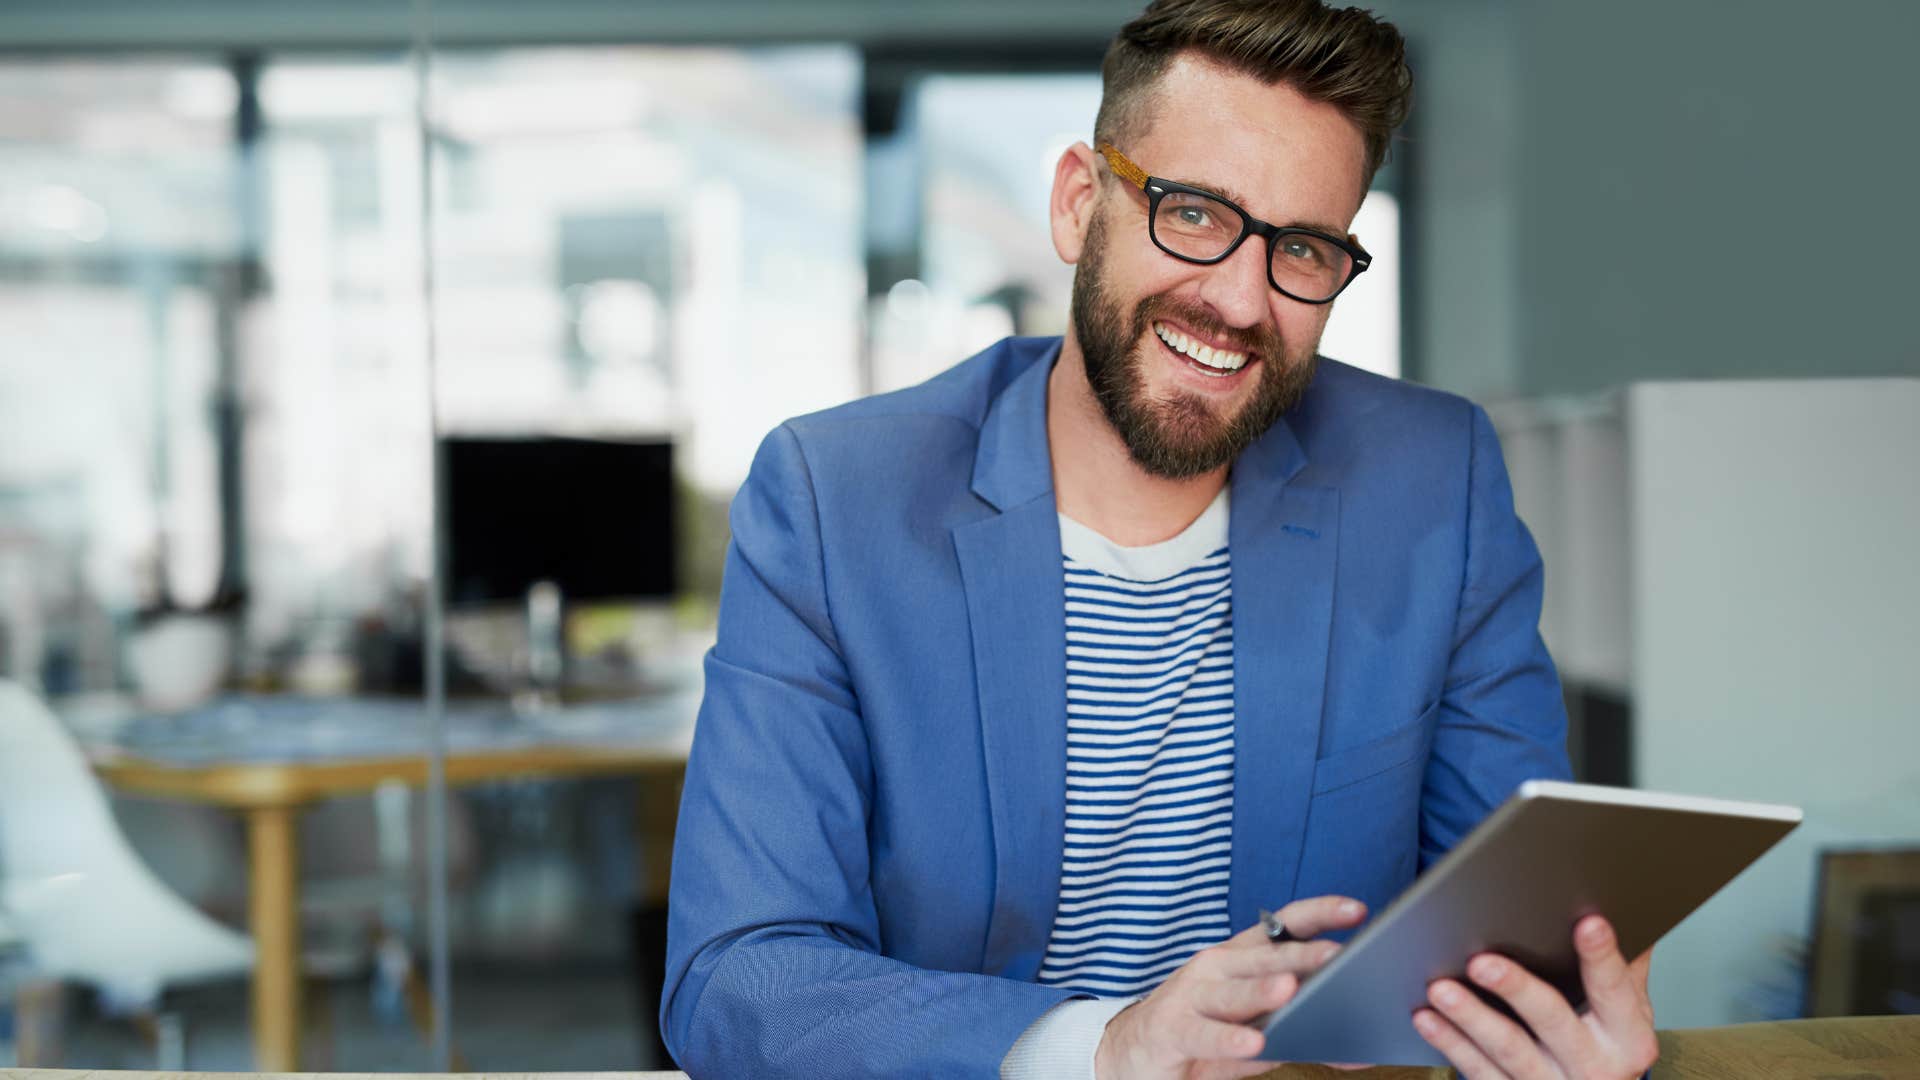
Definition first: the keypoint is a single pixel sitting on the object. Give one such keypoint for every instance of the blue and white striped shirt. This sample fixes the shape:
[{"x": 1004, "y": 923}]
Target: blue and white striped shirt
[{"x": 1149, "y": 784}]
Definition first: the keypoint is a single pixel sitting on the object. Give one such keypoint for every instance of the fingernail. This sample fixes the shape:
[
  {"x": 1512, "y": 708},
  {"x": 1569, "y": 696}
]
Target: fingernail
[
  {"x": 1423, "y": 1022},
  {"x": 1351, "y": 908},
  {"x": 1489, "y": 970},
  {"x": 1446, "y": 994},
  {"x": 1594, "y": 933}
]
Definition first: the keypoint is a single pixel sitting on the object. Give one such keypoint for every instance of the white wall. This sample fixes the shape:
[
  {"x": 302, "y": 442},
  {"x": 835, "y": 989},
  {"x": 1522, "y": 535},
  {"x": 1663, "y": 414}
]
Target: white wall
[{"x": 1776, "y": 641}]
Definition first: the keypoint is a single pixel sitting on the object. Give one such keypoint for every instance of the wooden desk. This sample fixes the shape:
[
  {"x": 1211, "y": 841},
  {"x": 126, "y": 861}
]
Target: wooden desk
[
  {"x": 270, "y": 795},
  {"x": 1853, "y": 1047},
  {"x": 1885, "y": 1047}
]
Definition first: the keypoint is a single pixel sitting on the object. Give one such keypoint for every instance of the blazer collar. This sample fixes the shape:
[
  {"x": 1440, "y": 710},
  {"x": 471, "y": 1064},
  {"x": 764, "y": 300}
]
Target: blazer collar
[
  {"x": 1012, "y": 465},
  {"x": 1272, "y": 460}
]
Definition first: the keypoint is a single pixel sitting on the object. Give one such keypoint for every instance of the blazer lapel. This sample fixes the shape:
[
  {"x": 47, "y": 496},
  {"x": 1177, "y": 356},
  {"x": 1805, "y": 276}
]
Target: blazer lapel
[
  {"x": 1283, "y": 538},
  {"x": 1010, "y": 568}
]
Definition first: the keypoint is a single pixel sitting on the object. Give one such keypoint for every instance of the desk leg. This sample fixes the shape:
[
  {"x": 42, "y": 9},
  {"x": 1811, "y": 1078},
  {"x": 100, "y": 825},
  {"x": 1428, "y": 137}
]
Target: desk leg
[
  {"x": 273, "y": 910},
  {"x": 658, "y": 812}
]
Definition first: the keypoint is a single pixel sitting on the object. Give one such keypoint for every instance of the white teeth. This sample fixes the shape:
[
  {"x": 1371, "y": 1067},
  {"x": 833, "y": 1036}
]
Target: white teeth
[{"x": 1214, "y": 358}]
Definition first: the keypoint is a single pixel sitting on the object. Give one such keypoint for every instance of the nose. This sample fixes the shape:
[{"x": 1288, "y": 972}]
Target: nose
[{"x": 1236, "y": 287}]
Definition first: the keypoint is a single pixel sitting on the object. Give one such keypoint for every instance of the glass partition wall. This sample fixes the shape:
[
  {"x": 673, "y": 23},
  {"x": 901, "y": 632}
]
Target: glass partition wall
[
  {"x": 215, "y": 471},
  {"x": 364, "y": 466},
  {"x": 644, "y": 259},
  {"x": 219, "y": 469},
  {"x": 221, "y": 455}
]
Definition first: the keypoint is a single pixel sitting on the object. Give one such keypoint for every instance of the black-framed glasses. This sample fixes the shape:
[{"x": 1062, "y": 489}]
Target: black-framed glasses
[{"x": 1200, "y": 227}]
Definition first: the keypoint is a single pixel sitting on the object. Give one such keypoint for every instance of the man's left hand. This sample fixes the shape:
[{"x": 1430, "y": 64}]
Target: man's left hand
[{"x": 1612, "y": 1037}]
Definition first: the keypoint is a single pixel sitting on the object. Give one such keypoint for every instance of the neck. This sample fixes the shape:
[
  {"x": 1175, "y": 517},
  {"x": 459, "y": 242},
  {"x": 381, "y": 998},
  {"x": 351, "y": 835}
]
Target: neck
[{"x": 1096, "y": 481}]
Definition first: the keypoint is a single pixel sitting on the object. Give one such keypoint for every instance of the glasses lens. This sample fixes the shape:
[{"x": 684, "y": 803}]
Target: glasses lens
[
  {"x": 1196, "y": 226},
  {"x": 1309, "y": 267}
]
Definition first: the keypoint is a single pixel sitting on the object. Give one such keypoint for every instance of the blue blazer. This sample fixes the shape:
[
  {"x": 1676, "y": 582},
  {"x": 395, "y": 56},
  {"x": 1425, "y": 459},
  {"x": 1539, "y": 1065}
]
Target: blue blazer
[{"x": 871, "y": 834}]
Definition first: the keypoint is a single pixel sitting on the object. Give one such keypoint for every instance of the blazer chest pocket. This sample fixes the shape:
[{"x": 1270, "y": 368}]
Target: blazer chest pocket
[{"x": 1370, "y": 759}]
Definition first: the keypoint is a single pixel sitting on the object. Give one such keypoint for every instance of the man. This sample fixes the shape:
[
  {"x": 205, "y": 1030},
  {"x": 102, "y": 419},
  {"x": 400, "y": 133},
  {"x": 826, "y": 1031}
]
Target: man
[{"x": 1036, "y": 682}]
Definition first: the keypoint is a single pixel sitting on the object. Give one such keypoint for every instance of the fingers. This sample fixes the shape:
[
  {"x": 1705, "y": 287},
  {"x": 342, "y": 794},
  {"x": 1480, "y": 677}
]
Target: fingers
[
  {"x": 1244, "y": 999},
  {"x": 1200, "y": 1038},
  {"x": 1453, "y": 1043},
  {"x": 1561, "y": 1040},
  {"x": 1196, "y": 1013},
  {"x": 1500, "y": 1040},
  {"x": 1544, "y": 1008},
  {"x": 1615, "y": 992},
  {"x": 1299, "y": 957},
  {"x": 1318, "y": 914}
]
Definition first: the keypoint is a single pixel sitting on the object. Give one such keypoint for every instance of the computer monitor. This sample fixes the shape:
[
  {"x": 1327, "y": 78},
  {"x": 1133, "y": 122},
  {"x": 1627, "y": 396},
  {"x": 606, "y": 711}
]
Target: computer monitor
[{"x": 595, "y": 517}]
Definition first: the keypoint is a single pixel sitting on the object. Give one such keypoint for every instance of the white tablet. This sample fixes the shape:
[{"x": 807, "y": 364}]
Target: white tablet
[{"x": 1547, "y": 857}]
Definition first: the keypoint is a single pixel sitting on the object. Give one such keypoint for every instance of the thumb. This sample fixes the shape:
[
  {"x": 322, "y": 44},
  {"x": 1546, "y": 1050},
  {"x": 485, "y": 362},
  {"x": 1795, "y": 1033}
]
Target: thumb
[{"x": 1642, "y": 967}]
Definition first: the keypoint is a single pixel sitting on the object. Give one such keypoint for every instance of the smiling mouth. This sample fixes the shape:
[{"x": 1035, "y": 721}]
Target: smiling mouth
[{"x": 1219, "y": 363}]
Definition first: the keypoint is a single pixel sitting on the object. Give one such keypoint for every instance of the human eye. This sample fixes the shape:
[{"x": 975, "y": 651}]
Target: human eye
[
  {"x": 1300, "y": 249},
  {"x": 1195, "y": 217}
]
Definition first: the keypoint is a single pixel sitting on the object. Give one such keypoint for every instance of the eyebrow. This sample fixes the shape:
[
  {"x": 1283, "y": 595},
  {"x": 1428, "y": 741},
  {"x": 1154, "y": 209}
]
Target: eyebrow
[{"x": 1241, "y": 201}]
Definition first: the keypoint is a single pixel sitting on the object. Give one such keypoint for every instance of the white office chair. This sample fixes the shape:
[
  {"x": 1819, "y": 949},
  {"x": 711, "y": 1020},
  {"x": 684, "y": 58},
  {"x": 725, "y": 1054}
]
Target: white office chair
[{"x": 85, "y": 905}]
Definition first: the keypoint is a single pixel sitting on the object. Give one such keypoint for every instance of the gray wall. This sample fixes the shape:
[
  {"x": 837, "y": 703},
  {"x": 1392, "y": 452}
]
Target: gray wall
[
  {"x": 1716, "y": 190},
  {"x": 1462, "y": 151}
]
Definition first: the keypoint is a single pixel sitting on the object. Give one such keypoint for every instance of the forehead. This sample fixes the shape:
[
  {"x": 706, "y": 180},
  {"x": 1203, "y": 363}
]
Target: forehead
[{"x": 1292, "y": 158}]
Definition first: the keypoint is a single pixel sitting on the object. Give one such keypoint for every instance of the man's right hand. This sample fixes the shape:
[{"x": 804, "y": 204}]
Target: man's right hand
[{"x": 1193, "y": 1025}]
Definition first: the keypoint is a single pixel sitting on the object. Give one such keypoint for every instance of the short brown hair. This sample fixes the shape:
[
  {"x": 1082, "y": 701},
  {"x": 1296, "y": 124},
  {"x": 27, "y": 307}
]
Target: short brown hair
[{"x": 1344, "y": 57}]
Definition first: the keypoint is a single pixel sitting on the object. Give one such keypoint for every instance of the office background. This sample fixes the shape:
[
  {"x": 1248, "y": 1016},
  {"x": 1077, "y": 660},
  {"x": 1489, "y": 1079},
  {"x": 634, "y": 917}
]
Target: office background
[{"x": 1670, "y": 245}]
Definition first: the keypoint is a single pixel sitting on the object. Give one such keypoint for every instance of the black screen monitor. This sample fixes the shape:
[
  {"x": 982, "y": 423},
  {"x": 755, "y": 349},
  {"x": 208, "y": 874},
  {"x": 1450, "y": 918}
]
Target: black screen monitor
[{"x": 595, "y": 517}]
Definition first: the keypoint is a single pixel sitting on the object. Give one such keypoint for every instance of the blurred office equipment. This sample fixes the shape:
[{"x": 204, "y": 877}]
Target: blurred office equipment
[
  {"x": 594, "y": 517},
  {"x": 84, "y": 904},
  {"x": 551, "y": 521},
  {"x": 1733, "y": 560},
  {"x": 1865, "y": 959},
  {"x": 178, "y": 659}
]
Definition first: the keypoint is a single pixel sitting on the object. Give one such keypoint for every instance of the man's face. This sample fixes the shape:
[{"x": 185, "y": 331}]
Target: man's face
[{"x": 1288, "y": 161}]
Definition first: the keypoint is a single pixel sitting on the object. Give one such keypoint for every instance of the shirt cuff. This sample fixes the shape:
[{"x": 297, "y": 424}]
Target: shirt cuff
[{"x": 1061, "y": 1043}]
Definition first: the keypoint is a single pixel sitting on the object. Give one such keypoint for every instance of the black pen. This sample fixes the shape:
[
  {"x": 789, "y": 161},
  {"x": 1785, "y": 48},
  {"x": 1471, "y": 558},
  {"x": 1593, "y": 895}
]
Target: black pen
[{"x": 1277, "y": 931}]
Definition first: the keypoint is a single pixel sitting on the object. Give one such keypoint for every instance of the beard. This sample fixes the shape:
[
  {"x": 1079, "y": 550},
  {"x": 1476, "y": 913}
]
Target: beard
[{"x": 1176, "y": 435}]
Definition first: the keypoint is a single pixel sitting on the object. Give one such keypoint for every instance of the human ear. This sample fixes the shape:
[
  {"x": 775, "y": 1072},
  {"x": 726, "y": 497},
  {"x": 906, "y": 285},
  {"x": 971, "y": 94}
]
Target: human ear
[{"x": 1076, "y": 191}]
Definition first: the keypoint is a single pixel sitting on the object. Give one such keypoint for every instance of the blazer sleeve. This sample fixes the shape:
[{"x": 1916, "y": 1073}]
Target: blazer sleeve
[
  {"x": 774, "y": 957},
  {"x": 1502, "y": 720}
]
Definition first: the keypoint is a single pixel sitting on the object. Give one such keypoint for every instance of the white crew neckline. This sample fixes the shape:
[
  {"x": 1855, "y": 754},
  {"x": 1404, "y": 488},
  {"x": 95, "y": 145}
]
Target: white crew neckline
[{"x": 1149, "y": 562}]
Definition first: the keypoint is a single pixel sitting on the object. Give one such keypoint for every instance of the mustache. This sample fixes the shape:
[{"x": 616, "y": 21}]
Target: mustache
[{"x": 1261, "y": 341}]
